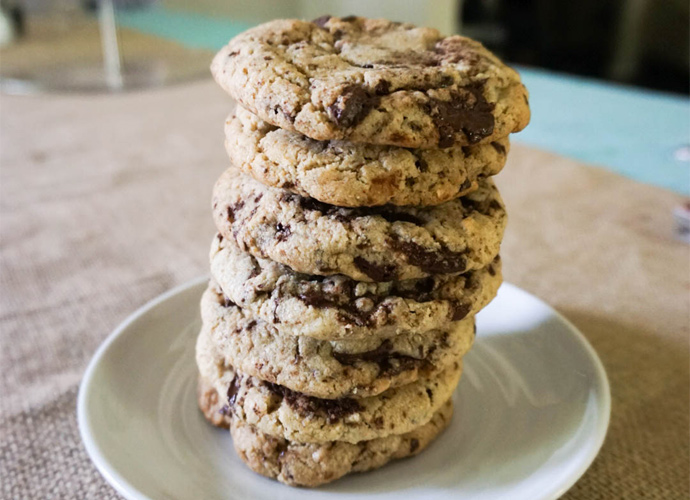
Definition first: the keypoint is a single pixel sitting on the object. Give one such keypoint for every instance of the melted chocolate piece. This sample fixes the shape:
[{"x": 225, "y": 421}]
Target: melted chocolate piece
[
  {"x": 232, "y": 392},
  {"x": 232, "y": 209},
  {"x": 333, "y": 409},
  {"x": 382, "y": 356},
  {"x": 399, "y": 217},
  {"x": 421, "y": 165},
  {"x": 467, "y": 112},
  {"x": 454, "y": 49},
  {"x": 282, "y": 232},
  {"x": 315, "y": 298},
  {"x": 414, "y": 445},
  {"x": 345, "y": 215},
  {"x": 423, "y": 288},
  {"x": 352, "y": 106},
  {"x": 500, "y": 148},
  {"x": 466, "y": 184},
  {"x": 460, "y": 311},
  {"x": 321, "y": 21},
  {"x": 383, "y": 87},
  {"x": 440, "y": 261},
  {"x": 377, "y": 272},
  {"x": 349, "y": 19},
  {"x": 344, "y": 301}
]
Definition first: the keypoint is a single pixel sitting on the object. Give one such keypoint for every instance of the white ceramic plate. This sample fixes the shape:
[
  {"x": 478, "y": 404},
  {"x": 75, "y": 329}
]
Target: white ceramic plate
[{"x": 531, "y": 413}]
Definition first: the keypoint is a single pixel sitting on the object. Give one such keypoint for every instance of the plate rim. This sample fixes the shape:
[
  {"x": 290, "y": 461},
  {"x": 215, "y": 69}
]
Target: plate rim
[{"x": 130, "y": 492}]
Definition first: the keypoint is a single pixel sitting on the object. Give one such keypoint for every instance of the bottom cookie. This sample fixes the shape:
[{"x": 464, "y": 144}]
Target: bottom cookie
[{"x": 313, "y": 464}]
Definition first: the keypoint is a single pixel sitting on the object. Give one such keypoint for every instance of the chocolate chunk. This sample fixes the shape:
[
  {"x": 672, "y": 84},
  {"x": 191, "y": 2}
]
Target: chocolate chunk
[
  {"x": 288, "y": 185},
  {"x": 500, "y": 148},
  {"x": 421, "y": 165},
  {"x": 309, "y": 203},
  {"x": 377, "y": 272},
  {"x": 491, "y": 270},
  {"x": 440, "y": 261},
  {"x": 383, "y": 87},
  {"x": 467, "y": 112},
  {"x": 414, "y": 445},
  {"x": 233, "y": 389},
  {"x": 466, "y": 184},
  {"x": 446, "y": 81},
  {"x": 389, "y": 363},
  {"x": 349, "y": 19},
  {"x": 455, "y": 49},
  {"x": 321, "y": 21},
  {"x": 234, "y": 208},
  {"x": 317, "y": 298},
  {"x": 400, "y": 217},
  {"x": 333, "y": 409},
  {"x": 282, "y": 232},
  {"x": 460, "y": 310},
  {"x": 344, "y": 301},
  {"x": 352, "y": 106}
]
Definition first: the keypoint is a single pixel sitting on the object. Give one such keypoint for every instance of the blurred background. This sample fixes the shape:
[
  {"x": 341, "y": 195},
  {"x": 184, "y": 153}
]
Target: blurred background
[{"x": 97, "y": 45}]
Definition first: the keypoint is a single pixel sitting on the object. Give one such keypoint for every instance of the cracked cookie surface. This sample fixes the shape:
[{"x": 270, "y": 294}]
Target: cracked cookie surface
[
  {"x": 367, "y": 244},
  {"x": 340, "y": 308},
  {"x": 350, "y": 174},
  {"x": 372, "y": 81}
]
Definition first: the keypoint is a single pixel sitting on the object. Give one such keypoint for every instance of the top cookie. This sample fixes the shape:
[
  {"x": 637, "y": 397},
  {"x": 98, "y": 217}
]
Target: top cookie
[{"x": 372, "y": 81}]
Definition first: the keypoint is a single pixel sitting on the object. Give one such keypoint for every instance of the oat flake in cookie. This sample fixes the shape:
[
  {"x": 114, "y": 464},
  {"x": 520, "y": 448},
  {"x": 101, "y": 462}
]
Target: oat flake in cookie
[
  {"x": 372, "y": 81},
  {"x": 366, "y": 244},
  {"x": 354, "y": 174}
]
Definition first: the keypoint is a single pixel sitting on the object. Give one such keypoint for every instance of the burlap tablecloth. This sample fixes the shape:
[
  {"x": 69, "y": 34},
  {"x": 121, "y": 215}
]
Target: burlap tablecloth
[{"x": 105, "y": 204}]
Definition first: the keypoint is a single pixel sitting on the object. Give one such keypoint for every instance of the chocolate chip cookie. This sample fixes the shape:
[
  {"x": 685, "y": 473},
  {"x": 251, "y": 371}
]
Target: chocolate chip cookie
[
  {"x": 372, "y": 81},
  {"x": 367, "y": 244},
  {"x": 281, "y": 412},
  {"x": 323, "y": 369},
  {"x": 313, "y": 464},
  {"x": 338, "y": 307},
  {"x": 351, "y": 174}
]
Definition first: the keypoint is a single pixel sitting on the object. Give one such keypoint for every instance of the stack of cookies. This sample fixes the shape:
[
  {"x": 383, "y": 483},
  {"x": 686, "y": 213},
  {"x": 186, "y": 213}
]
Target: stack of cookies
[{"x": 358, "y": 236}]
